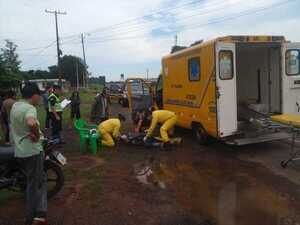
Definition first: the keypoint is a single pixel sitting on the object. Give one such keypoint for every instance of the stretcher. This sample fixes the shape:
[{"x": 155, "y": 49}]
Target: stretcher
[{"x": 292, "y": 122}]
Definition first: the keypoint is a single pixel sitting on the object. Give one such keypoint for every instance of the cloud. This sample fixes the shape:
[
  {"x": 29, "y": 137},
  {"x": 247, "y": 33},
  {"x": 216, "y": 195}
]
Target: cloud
[{"x": 137, "y": 43}]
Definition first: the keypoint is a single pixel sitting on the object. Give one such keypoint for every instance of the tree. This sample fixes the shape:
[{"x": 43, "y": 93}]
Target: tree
[
  {"x": 53, "y": 71},
  {"x": 68, "y": 65},
  {"x": 10, "y": 57},
  {"x": 35, "y": 74},
  {"x": 9, "y": 66}
]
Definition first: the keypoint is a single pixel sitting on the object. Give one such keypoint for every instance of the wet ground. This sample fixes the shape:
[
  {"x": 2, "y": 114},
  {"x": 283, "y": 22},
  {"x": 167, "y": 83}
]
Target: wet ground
[{"x": 191, "y": 184}]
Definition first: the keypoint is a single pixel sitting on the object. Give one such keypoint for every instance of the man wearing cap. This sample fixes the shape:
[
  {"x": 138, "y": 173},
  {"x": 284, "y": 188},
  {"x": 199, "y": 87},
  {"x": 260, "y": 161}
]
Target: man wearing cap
[{"x": 55, "y": 110}]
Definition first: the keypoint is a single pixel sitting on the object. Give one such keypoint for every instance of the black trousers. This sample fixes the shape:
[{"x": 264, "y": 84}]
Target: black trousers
[
  {"x": 36, "y": 189},
  {"x": 7, "y": 135},
  {"x": 56, "y": 125},
  {"x": 47, "y": 118},
  {"x": 75, "y": 112}
]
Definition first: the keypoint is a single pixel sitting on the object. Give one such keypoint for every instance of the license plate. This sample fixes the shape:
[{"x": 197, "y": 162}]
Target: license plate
[{"x": 61, "y": 159}]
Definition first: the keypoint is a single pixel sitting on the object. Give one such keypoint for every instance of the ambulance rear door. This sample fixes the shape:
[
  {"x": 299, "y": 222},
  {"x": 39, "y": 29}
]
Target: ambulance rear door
[
  {"x": 226, "y": 89},
  {"x": 291, "y": 78}
]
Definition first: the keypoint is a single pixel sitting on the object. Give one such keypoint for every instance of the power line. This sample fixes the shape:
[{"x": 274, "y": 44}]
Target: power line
[
  {"x": 41, "y": 47},
  {"x": 42, "y": 55},
  {"x": 113, "y": 36},
  {"x": 186, "y": 18},
  {"x": 172, "y": 14},
  {"x": 200, "y": 13},
  {"x": 85, "y": 78},
  {"x": 149, "y": 17},
  {"x": 36, "y": 48},
  {"x": 241, "y": 14},
  {"x": 76, "y": 39},
  {"x": 139, "y": 18},
  {"x": 179, "y": 29},
  {"x": 114, "y": 26},
  {"x": 215, "y": 21},
  {"x": 40, "y": 52}
]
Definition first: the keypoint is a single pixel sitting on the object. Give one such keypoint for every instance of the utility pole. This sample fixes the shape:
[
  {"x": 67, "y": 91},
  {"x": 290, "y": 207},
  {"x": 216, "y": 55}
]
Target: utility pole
[
  {"x": 176, "y": 40},
  {"x": 83, "y": 52},
  {"x": 57, "y": 41},
  {"x": 83, "y": 79},
  {"x": 77, "y": 75},
  {"x": 147, "y": 73}
]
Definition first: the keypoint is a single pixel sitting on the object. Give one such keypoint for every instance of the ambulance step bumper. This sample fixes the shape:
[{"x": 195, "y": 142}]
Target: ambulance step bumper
[{"x": 259, "y": 139}]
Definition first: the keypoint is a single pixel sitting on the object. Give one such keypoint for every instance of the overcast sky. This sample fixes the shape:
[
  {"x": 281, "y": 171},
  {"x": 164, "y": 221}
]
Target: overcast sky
[{"x": 129, "y": 36}]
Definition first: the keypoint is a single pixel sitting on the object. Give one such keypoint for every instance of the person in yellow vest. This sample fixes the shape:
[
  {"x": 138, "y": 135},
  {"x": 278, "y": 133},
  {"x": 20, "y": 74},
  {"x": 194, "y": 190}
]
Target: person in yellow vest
[
  {"x": 168, "y": 120},
  {"x": 55, "y": 110},
  {"x": 110, "y": 130}
]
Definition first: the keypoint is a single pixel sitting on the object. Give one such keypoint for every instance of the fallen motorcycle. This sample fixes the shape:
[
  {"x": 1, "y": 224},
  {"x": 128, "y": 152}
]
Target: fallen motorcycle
[{"x": 13, "y": 177}]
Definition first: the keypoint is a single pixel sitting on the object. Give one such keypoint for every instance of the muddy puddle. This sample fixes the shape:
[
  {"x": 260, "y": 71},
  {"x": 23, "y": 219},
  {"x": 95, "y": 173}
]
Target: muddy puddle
[
  {"x": 148, "y": 174},
  {"x": 226, "y": 191}
]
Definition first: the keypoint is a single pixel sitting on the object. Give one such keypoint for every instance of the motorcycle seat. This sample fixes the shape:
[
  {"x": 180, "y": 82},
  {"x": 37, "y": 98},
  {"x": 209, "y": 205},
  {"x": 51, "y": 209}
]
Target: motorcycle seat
[{"x": 7, "y": 153}]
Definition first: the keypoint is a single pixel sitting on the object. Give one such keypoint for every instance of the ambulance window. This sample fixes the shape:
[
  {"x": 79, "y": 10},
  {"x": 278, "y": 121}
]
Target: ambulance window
[
  {"x": 292, "y": 62},
  {"x": 226, "y": 65},
  {"x": 194, "y": 69}
]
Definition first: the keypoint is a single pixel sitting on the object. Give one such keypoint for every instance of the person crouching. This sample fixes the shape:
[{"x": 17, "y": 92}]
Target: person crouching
[
  {"x": 168, "y": 120},
  {"x": 110, "y": 130}
]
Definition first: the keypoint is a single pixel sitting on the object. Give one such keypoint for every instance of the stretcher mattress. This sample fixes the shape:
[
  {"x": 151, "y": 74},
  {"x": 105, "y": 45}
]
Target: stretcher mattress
[{"x": 287, "y": 119}]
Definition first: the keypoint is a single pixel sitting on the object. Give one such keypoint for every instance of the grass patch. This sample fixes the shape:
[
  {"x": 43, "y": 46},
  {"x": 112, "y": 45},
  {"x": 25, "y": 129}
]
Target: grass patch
[{"x": 86, "y": 97}]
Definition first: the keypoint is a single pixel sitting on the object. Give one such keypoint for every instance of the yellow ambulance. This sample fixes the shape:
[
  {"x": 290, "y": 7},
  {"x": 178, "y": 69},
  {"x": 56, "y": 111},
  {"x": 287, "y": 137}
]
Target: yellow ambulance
[{"x": 224, "y": 87}]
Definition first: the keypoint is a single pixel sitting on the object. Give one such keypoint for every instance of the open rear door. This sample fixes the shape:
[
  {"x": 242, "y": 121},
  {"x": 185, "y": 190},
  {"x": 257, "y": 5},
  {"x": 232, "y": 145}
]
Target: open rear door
[
  {"x": 139, "y": 95},
  {"x": 226, "y": 89},
  {"x": 291, "y": 78}
]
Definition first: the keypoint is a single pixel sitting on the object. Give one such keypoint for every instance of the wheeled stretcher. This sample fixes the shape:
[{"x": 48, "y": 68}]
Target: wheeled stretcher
[{"x": 292, "y": 123}]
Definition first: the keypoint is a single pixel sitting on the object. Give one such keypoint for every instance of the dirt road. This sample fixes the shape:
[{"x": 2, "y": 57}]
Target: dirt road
[{"x": 189, "y": 185}]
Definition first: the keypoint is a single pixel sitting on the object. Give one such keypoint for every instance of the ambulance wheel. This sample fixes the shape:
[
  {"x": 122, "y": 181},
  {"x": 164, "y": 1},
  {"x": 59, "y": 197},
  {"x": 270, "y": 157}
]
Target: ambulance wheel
[{"x": 201, "y": 135}]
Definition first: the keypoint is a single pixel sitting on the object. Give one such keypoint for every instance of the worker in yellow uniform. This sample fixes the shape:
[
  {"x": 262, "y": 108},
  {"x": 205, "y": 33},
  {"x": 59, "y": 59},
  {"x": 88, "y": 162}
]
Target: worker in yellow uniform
[
  {"x": 168, "y": 120},
  {"x": 110, "y": 130}
]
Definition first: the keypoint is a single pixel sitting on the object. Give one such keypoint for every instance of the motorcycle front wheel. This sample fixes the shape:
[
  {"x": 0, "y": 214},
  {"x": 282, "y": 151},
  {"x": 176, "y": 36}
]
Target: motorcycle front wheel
[{"x": 55, "y": 178}]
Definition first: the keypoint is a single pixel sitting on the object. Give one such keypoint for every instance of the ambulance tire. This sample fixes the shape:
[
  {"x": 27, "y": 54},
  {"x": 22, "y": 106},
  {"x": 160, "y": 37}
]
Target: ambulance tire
[{"x": 201, "y": 136}]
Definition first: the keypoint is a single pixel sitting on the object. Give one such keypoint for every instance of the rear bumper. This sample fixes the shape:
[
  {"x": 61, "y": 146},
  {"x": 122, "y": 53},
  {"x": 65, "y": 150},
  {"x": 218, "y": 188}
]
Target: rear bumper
[{"x": 258, "y": 139}]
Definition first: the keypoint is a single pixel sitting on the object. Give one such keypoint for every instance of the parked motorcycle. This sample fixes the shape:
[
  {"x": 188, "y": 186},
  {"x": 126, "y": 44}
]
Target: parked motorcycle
[{"x": 12, "y": 176}]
